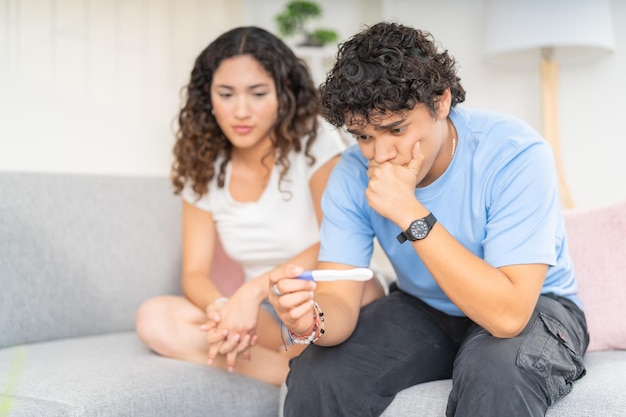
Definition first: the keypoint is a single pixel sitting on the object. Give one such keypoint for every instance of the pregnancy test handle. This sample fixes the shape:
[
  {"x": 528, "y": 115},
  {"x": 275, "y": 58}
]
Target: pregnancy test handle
[
  {"x": 356, "y": 274},
  {"x": 306, "y": 275}
]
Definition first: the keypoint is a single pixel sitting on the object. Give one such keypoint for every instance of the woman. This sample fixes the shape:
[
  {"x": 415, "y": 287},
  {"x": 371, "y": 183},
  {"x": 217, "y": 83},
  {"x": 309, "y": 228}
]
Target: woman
[{"x": 252, "y": 160}]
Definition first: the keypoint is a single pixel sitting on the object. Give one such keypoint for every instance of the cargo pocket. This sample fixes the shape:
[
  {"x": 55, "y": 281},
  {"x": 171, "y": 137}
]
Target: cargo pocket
[{"x": 547, "y": 353}]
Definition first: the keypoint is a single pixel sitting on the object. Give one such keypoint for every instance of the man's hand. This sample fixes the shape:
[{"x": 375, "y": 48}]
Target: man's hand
[
  {"x": 292, "y": 299},
  {"x": 392, "y": 187}
]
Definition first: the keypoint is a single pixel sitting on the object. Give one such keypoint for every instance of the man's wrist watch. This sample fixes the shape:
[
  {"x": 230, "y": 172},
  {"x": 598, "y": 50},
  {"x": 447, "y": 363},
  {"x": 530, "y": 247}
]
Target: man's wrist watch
[{"x": 418, "y": 229}]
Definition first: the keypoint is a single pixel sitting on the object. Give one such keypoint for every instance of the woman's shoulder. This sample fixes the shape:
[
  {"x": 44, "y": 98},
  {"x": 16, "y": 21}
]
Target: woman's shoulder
[{"x": 204, "y": 201}]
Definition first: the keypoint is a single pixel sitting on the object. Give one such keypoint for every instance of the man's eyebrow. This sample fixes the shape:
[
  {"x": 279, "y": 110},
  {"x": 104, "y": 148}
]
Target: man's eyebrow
[
  {"x": 378, "y": 127},
  {"x": 390, "y": 125},
  {"x": 354, "y": 131}
]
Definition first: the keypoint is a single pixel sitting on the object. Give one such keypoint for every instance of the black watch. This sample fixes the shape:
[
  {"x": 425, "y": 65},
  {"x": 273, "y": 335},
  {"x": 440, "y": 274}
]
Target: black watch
[{"x": 418, "y": 229}]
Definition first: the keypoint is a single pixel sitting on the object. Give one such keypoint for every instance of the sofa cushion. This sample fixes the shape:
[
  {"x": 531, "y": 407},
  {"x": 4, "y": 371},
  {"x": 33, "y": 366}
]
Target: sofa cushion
[
  {"x": 80, "y": 253},
  {"x": 597, "y": 243},
  {"x": 599, "y": 393},
  {"x": 116, "y": 375}
]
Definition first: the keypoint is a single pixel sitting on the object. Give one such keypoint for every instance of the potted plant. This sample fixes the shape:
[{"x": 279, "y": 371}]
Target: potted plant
[{"x": 294, "y": 21}]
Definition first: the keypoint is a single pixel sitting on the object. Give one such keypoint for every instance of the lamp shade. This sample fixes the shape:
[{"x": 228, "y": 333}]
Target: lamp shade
[{"x": 516, "y": 31}]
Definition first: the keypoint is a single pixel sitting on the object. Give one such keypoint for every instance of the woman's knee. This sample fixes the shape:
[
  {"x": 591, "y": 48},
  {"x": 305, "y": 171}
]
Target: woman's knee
[{"x": 152, "y": 321}]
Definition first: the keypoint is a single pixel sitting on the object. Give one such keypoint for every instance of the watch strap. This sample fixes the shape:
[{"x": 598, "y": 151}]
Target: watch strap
[
  {"x": 402, "y": 237},
  {"x": 405, "y": 235}
]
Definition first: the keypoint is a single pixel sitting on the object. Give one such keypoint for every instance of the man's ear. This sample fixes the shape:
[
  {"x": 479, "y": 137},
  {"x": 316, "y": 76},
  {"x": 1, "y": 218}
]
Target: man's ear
[{"x": 444, "y": 104}]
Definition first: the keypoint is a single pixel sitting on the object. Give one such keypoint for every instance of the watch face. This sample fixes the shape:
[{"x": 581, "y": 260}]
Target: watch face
[{"x": 419, "y": 229}]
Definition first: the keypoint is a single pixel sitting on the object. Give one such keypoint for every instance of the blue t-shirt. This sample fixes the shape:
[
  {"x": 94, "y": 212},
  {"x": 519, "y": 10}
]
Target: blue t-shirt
[{"x": 498, "y": 197}]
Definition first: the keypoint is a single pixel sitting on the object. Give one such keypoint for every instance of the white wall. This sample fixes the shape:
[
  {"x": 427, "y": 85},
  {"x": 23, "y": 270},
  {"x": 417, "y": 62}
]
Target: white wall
[
  {"x": 93, "y": 86},
  {"x": 592, "y": 108}
]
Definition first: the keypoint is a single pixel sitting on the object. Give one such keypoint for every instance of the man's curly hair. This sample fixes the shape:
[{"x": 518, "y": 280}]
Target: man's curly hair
[
  {"x": 200, "y": 141},
  {"x": 387, "y": 67}
]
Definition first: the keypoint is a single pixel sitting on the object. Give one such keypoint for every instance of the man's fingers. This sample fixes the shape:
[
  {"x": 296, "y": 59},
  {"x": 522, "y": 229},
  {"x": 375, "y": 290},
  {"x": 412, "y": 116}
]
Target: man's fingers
[
  {"x": 287, "y": 271},
  {"x": 417, "y": 158},
  {"x": 294, "y": 300},
  {"x": 301, "y": 310},
  {"x": 289, "y": 286}
]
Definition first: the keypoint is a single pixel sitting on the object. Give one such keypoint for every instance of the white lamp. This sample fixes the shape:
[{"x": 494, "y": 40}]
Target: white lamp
[{"x": 522, "y": 32}]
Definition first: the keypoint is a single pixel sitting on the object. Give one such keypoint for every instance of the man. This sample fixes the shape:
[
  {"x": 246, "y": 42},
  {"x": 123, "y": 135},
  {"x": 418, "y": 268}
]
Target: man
[{"x": 465, "y": 205}]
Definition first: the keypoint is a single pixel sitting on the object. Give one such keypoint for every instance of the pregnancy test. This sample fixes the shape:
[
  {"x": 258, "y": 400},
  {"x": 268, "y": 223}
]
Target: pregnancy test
[{"x": 356, "y": 274}]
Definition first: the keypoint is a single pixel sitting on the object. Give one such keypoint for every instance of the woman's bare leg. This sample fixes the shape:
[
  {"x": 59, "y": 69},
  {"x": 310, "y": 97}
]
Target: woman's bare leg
[{"x": 170, "y": 325}]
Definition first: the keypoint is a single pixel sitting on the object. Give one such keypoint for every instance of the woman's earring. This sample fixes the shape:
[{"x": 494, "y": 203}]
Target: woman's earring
[{"x": 213, "y": 111}]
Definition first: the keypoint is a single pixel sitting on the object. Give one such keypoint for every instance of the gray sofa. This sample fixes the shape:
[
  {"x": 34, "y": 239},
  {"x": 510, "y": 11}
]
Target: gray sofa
[{"x": 78, "y": 254}]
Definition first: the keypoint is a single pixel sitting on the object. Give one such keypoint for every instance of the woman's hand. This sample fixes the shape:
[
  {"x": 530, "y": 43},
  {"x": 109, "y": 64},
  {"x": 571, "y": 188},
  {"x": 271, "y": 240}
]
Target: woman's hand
[
  {"x": 215, "y": 336},
  {"x": 213, "y": 314},
  {"x": 231, "y": 326},
  {"x": 292, "y": 299}
]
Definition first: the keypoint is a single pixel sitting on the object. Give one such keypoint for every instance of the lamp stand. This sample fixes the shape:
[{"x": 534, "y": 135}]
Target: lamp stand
[{"x": 550, "y": 118}]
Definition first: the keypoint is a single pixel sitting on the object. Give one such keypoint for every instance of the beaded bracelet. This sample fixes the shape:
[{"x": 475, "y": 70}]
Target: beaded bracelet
[{"x": 316, "y": 332}]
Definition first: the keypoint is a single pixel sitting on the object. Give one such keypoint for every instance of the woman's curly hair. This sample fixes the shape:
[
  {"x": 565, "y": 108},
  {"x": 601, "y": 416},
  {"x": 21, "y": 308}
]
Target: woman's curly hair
[
  {"x": 387, "y": 68},
  {"x": 200, "y": 141}
]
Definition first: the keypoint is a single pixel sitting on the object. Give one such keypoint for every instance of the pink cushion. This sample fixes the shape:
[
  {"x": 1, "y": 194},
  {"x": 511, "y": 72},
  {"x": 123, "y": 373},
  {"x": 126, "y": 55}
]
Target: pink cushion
[
  {"x": 226, "y": 273},
  {"x": 597, "y": 243}
]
